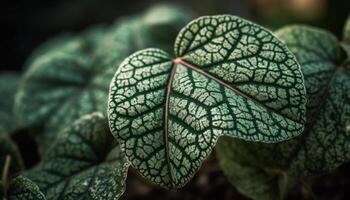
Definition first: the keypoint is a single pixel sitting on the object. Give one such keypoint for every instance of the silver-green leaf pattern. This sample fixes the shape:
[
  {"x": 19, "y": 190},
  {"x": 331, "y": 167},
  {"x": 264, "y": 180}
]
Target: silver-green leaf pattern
[
  {"x": 22, "y": 188},
  {"x": 325, "y": 143},
  {"x": 230, "y": 77},
  {"x": 71, "y": 80},
  {"x": 83, "y": 163},
  {"x": 8, "y": 86}
]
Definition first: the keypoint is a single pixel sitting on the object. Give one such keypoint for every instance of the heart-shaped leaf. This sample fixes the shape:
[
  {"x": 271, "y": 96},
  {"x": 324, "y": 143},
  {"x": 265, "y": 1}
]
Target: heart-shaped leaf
[
  {"x": 325, "y": 143},
  {"x": 230, "y": 77},
  {"x": 62, "y": 85},
  {"x": 83, "y": 163},
  {"x": 8, "y": 86},
  {"x": 22, "y": 188}
]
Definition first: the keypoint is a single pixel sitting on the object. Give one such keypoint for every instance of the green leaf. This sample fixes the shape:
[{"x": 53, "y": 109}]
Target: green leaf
[
  {"x": 64, "y": 42},
  {"x": 231, "y": 77},
  {"x": 62, "y": 85},
  {"x": 22, "y": 188},
  {"x": 325, "y": 143},
  {"x": 250, "y": 179},
  {"x": 83, "y": 163},
  {"x": 346, "y": 33},
  {"x": 8, "y": 86},
  {"x": 87, "y": 41},
  {"x": 9, "y": 148}
]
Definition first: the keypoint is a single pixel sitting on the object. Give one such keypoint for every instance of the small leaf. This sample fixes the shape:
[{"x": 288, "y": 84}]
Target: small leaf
[
  {"x": 22, "y": 188},
  {"x": 8, "y": 86},
  {"x": 83, "y": 163},
  {"x": 324, "y": 145},
  {"x": 231, "y": 77},
  {"x": 62, "y": 85}
]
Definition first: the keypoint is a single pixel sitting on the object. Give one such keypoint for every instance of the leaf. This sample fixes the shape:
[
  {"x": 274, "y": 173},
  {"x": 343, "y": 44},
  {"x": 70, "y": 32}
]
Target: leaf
[
  {"x": 9, "y": 148},
  {"x": 62, "y": 85},
  {"x": 69, "y": 42},
  {"x": 162, "y": 22},
  {"x": 8, "y": 86},
  {"x": 231, "y": 77},
  {"x": 64, "y": 42},
  {"x": 156, "y": 27},
  {"x": 83, "y": 163},
  {"x": 325, "y": 144},
  {"x": 255, "y": 182},
  {"x": 22, "y": 188}
]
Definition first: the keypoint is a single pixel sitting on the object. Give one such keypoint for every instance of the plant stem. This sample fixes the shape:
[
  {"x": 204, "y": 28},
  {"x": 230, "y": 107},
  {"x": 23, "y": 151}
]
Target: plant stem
[{"x": 5, "y": 174}]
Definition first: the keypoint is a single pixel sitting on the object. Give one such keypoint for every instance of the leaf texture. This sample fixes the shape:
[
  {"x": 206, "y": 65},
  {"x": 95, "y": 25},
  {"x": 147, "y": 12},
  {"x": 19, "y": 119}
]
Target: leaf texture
[
  {"x": 83, "y": 163},
  {"x": 325, "y": 144},
  {"x": 22, "y": 188},
  {"x": 230, "y": 77}
]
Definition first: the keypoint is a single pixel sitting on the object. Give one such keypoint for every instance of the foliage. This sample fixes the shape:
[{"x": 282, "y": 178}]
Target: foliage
[
  {"x": 22, "y": 188},
  {"x": 324, "y": 145},
  {"x": 83, "y": 163},
  {"x": 69, "y": 76},
  {"x": 276, "y": 106}
]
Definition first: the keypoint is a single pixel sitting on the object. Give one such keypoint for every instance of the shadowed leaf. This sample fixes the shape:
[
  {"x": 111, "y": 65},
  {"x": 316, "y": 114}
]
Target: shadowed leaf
[
  {"x": 22, "y": 188},
  {"x": 83, "y": 163}
]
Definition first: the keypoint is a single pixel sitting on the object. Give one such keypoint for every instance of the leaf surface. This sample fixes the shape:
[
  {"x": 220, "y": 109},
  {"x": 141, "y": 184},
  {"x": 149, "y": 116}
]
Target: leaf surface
[
  {"x": 83, "y": 163},
  {"x": 231, "y": 77},
  {"x": 22, "y": 188},
  {"x": 325, "y": 143},
  {"x": 250, "y": 179}
]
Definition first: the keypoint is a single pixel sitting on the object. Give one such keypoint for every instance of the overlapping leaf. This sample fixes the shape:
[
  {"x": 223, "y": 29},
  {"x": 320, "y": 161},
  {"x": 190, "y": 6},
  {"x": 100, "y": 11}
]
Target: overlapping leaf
[
  {"x": 231, "y": 77},
  {"x": 325, "y": 143},
  {"x": 83, "y": 163},
  {"x": 8, "y": 86},
  {"x": 61, "y": 85},
  {"x": 22, "y": 188}
]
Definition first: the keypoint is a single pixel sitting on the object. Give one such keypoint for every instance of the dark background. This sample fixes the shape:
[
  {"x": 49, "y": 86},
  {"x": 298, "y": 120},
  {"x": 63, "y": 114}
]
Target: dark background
[{"x": 27, "y": 23}]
